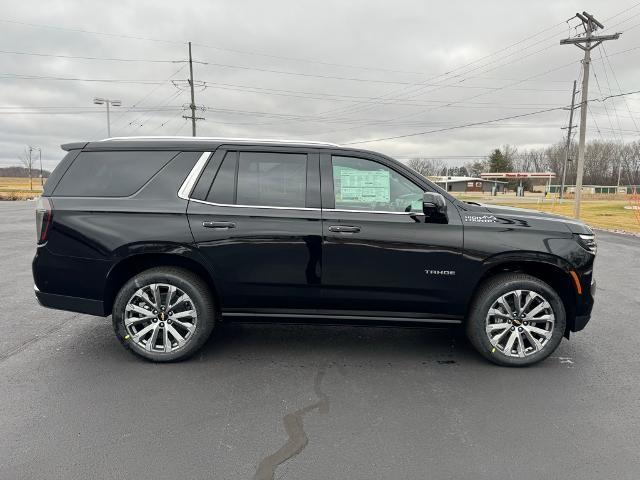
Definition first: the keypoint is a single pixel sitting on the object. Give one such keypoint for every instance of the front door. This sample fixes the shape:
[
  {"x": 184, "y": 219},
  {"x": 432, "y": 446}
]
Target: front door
[
  {"x": 379, "y": 255},
  {"x": 258, "y": 224}
]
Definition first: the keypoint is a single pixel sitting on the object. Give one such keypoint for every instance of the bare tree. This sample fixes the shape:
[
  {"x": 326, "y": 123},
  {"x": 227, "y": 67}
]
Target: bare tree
[
  {"x": 26, "y": 159},
  {"x": 426, "y": 167}
]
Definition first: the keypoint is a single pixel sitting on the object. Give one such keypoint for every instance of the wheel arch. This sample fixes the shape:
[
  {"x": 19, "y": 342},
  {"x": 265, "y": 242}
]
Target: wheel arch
[
  {"x": 550, "y": 269},
  {"x": 133, "y": 264}
]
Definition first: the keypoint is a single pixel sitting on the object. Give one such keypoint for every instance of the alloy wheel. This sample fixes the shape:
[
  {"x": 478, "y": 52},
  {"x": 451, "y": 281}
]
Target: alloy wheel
[
  {"x": 520, "y": 323},
  {"x": 160, "y": 317}
]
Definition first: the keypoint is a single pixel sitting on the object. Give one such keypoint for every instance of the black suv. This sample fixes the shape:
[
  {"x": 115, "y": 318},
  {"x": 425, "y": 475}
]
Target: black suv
[{"x": 172, "y": 235}]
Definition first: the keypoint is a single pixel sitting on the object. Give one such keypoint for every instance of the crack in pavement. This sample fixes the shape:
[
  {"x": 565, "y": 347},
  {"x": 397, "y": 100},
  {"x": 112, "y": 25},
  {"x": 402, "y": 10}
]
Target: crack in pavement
[
  {"x": 294, "y": 426},
  {"x": 37, "y": 338}
]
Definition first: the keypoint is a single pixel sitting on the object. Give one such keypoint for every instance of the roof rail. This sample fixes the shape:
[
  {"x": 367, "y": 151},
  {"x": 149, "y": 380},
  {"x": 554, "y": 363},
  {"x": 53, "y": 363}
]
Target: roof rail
[{"x": 219, "y": 139}]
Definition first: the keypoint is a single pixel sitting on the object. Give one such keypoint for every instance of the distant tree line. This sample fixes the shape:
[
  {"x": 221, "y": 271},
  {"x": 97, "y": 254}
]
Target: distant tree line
[
  {"x": 605, "y": 163},
  {"x": 22, "y": 172}
]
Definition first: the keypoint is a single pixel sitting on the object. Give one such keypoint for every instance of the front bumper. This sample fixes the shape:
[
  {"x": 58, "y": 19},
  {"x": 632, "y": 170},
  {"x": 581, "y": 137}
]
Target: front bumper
[
  {"x": 584, "y": 307},
  {"x": 70, "y": 304}
]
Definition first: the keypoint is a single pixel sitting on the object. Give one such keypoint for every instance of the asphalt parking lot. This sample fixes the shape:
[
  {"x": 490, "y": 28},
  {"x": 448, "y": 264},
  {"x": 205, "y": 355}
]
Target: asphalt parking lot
[{"x": 307, "y": 402}]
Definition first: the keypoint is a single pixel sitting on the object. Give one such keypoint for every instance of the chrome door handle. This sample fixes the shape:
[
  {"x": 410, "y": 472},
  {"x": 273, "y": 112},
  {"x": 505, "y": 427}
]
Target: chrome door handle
[
  {"x": 219, "y": 225},
  {"x": 344, "y": 229}
]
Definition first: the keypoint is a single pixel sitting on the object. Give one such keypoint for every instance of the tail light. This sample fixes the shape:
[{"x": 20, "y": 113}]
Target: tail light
[{"x": 44, "y": 216}]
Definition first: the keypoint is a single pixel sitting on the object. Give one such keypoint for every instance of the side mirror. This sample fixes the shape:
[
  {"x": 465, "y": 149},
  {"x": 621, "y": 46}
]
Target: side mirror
[{"x": 434, "y": 207}]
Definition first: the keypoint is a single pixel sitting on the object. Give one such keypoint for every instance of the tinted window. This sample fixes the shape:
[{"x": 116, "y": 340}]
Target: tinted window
[
  {"x": 111, "y": 174},
  {"x": 58, "y": 172},
  {"x": 223, "y": 187},
  {"x": 272, "y": 179},
  {"x": 360, "y": 184}
]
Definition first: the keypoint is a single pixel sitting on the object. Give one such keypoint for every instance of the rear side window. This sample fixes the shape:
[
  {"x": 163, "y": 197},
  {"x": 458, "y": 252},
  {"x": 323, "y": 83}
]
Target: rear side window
[
  {"x": 111, "y": 174},
  {"x": 272, "y": 179},
  {"x": 267, "y": 179}
]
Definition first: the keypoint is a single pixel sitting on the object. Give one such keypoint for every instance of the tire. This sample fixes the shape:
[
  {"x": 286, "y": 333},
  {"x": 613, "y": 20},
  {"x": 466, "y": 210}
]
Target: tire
[
  {"x": 135, "y": 310},
  {"x": 524, "y": 351}
]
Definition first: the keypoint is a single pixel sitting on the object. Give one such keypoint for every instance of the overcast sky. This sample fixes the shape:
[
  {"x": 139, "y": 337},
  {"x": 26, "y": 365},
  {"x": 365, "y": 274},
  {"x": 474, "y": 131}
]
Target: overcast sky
[{"x": 340, "y": 71}]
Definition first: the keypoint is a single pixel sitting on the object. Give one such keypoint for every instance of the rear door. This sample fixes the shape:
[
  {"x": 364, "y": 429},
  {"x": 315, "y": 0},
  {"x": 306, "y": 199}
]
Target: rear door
[
  {"x": 255, "y": 213},
  {"x": 379, "y": 256}
]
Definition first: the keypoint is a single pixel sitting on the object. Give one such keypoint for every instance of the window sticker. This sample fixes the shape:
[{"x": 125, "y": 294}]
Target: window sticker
[{"x": 364, "y": 186}]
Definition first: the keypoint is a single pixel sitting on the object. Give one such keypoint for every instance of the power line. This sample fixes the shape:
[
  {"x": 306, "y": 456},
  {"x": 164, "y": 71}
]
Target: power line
[
  {"x": 538, "y": 112},
  {"x": 81, "y": 57},
  {"x": 92, "y": 32},
  {"x": 151, "y": 92},
  {"x": 595, "y": 76},
  {"x": 619, "y": 88},
  {"x": 411, "y": 93},
  {"x": 448, "y": 105},
  {"x": 245, "y": 52},
  {"x": 455, "y": 127},
  {"x": 622, "y": 12},
  {"x": 19, "y": 76}
]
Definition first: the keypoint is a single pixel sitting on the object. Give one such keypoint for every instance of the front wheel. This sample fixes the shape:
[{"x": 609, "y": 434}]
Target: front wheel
[
  {"x": 164, "y": 314},
  {"x": 516, "y": 320}
]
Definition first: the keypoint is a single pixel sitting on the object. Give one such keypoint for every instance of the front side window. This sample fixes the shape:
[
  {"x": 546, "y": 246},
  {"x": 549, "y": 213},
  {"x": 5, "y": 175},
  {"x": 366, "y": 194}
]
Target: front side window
[
  {"x": 272, "y": 179},
  {"x": 360, "y": 184}
]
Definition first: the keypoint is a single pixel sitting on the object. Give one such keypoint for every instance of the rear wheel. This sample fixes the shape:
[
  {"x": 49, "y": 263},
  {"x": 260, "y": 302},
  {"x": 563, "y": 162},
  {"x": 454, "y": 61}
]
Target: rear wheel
[
  {"x": 164, "y": 314},
  {"x": 516, "y": 320}
]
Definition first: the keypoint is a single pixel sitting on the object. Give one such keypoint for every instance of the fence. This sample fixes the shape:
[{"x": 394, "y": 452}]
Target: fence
[{"x": 597, "y": 189}]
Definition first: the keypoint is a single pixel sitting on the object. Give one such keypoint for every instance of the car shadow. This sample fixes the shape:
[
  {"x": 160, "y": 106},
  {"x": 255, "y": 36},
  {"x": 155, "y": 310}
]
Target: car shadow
[{"x": 287, "y": 342}]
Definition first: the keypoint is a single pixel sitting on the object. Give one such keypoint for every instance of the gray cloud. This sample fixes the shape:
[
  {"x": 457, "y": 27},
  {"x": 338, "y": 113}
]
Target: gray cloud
[{"x": 400, "y": 43}]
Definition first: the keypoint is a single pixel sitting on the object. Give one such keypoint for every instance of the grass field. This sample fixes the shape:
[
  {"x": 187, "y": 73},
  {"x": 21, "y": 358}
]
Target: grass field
[
  {"x": 12, "y": 188},
  {"x": 607, "y": 214}
]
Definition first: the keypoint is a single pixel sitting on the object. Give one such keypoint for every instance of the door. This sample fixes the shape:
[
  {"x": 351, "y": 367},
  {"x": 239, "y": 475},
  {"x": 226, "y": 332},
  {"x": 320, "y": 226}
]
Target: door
[
  {"x": 255, "y": 215},
  {"x": 378, "y": 253}
]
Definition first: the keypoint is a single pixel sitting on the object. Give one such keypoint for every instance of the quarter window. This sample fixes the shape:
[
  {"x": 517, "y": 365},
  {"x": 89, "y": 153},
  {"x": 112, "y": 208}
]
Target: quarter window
[
  {"x": 223, "y": 188},
  {"x": 360, "y": 184},
  {"x": 111, "y": 174}
]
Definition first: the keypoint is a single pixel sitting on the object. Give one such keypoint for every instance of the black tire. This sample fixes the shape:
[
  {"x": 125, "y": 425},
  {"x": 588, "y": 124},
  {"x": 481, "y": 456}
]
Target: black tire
[
  {"x": 190, "y": 284},
  {"x": 490, "y": 291}
]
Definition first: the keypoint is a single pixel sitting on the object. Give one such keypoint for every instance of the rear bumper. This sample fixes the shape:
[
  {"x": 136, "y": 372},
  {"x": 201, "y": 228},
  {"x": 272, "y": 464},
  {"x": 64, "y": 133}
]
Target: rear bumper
[{"x": 71, "y": 304}]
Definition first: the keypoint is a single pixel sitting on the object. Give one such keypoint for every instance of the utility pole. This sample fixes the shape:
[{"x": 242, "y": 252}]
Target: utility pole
[
  {"x": 192, "y": 105},
  {"x": 41, "y": 177},
  {"x": 566, "y": 151},
  {"x": 587, "y": 43},
  {"x": 619, "y": 171},
  {"x": 30, "y": 176},
  {"x": 108, "y": 102},
  {"x": 446, "y": 179},
  {"x": 193, "y": 101}
]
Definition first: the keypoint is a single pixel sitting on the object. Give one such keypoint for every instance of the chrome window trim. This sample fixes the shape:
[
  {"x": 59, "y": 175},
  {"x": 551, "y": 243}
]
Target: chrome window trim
[
  {"x": 372, "y": 211},
  {"x": 300, "y": 208},
  {"x": 187, "y": 186},
  {"x": 254, "y": 206}
]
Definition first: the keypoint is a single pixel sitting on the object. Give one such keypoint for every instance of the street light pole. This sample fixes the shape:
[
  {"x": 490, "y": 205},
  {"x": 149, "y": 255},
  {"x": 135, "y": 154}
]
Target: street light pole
[{"x": 107, "y": 102}]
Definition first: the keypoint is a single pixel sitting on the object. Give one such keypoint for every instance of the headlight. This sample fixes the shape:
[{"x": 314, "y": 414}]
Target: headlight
[{"x": 588, "y": 242}]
